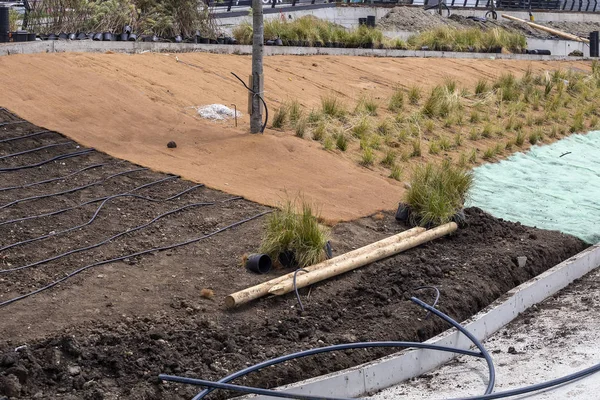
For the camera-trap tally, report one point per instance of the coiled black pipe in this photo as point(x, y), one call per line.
point(26, 136)
point(60, 157)
point(76, 189)
point(52, 179)
point(48, 146)
point(139, 253)
point(12, 221)
point(262, 129)
point(95, 215)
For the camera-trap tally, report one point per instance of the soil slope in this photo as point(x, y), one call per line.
point(131, 106)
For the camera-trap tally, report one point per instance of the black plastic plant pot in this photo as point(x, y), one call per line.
point(72, 36)
point(127, 29)
point(108, 37)
point(318, 44)
point(287, 259)
point(132, 37)
point(155, 38)
point(403, 212)
point(270, 42)
point(460, 218)
point(305, 43)
point(221, 40)
point(178, 39)
point(212, 41)
point(230, 40)
point(123, 37)
point(52, 36)
point(97, 37)
point(328, 250)
point(204, 40)
point(31, 37)
point(19, 37)
point(81, 36)
point(90, 35)
point(259, 263)
point(278, 42)
point(336, 44)
point(328, 44)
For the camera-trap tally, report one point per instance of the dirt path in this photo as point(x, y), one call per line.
point(131, 106)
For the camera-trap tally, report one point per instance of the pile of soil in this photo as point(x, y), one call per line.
point(413, 19)
point(114, 329)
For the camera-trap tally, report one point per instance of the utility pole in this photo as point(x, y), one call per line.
point(257, 65)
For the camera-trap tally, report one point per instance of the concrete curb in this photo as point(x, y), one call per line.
point(391, 370)
point(86, 46)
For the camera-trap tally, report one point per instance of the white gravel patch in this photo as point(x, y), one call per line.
point(217, 112)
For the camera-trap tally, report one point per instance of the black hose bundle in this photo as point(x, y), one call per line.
point(224, 385)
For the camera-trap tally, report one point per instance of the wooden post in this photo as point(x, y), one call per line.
point(255, 292)
point(546, 29)
point(256, 119)
point(309, 278)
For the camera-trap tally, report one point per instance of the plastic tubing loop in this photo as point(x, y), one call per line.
point(296, 287)
point(139, 253)
point(476, 342)
point(102, 242)
point(24, 136)
point(262, 129)
point(43, 196)
point(11, 221)
point(435, 301)
point(310, 352)
point(95, 215)
point(60, 157)
point(48, 146)
point(58, 178)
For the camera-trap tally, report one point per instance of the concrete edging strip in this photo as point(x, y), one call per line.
point(87, 46)
point(391, 370)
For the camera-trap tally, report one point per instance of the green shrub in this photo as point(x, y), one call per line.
point(389, 158)
point(320, 131)
point(362, 128)
point(434, 147)
point(328, 143)
point(341, 142)
point(520, 139)
point(437, 192)
point(295, 229)
point(332, 106)
point(396, 102)
point(295, 111)
point(416, 148)
point(301, 127)
point(280, 117)
point(367, 105)
point(396, 172)
point(368, 157)
point(414, 95)
point(482, 87)
point(441, 103)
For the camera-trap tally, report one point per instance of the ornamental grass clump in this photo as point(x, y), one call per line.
point(437, 192)
point(295, 228)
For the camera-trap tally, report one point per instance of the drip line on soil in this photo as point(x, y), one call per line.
point(26, 136)
point(96, 214)
point(12, 122)
point(48, 146)
point(139, 253)
point(59, 157)
point(52, 179)
point(44, 196)
point(48, 214)
point(115, 236)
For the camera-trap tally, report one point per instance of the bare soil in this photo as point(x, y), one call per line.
point(108, 332)
point(131, 106)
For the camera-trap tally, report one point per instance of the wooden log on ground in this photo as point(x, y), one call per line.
point(255, 292)
point(363, 259)
point(547, 29)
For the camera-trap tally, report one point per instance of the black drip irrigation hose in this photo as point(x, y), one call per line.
point(435, 301)
point(26, 136)
point(48, 146)
point(76, 189)
point(51, 179)
point(12, 122)
point(262, 129)
point(107, 240)
point(12, 221)
point(296, 287)
point(139, 253)
point(59, 157)
point(95, 215)
point(223, 383)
